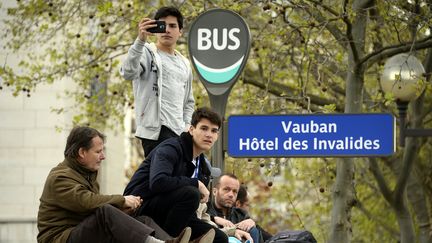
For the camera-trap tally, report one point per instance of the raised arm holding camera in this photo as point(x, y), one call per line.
point(162, 79)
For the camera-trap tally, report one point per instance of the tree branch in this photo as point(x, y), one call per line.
point(382, 184)
point(349, 33)
point(389, 51)
point(408, 161)
point(281, 90)
point(393, 232)
point(331, 27)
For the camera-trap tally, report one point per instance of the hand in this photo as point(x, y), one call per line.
point(246, 225)
point(241, 235)
point(143, 26)
point(131, 203)
point(223, 222)
point(204, 192)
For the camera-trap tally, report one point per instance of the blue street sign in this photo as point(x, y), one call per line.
point(322, 135)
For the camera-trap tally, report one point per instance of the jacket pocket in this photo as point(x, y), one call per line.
point(150, 115)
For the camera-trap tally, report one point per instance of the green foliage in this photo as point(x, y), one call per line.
point(299, 63)
point(82, 42)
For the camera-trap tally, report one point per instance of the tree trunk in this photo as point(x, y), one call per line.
point(343, 198)
point(415, 190)
point(417, 199)
point(405, 222)
point(403, 169)
point(343, 190)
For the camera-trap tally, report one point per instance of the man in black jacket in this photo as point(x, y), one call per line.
point(173, 178)
point(223, 212)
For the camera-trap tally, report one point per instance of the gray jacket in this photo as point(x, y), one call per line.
point(143, 66)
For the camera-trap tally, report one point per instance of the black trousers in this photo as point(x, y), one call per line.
point(109, 224)
point(148, 144)
point(175, 210)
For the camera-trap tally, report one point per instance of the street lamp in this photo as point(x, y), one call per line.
point(404, 78)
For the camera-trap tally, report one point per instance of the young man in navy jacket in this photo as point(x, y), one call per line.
point(173, 178)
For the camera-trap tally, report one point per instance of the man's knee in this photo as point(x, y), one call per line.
point(192, 194)
point(254, 230)
point(255, 234)
point(192, 191)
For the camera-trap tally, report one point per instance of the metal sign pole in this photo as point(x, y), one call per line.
point(219, 102)
point(219, 44)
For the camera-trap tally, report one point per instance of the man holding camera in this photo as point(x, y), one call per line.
point(162, 79)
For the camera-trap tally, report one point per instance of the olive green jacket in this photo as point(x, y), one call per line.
point(70, 194)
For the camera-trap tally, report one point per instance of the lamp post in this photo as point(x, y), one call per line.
point(403, 77)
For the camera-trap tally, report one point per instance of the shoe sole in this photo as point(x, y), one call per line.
point(208, 237)
point(186, 235)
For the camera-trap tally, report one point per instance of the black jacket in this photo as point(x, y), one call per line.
point(235, 215)
point(168, 167)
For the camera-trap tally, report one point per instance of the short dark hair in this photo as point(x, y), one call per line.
point(207, 113)
point(170, 11)
point(80, 137)
point(242, 194)
point(217, 181)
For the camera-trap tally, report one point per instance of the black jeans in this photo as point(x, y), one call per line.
point(109, 224)
point(175, 210)
point(148, 144)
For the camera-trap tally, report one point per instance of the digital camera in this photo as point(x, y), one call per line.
point(160, 28)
